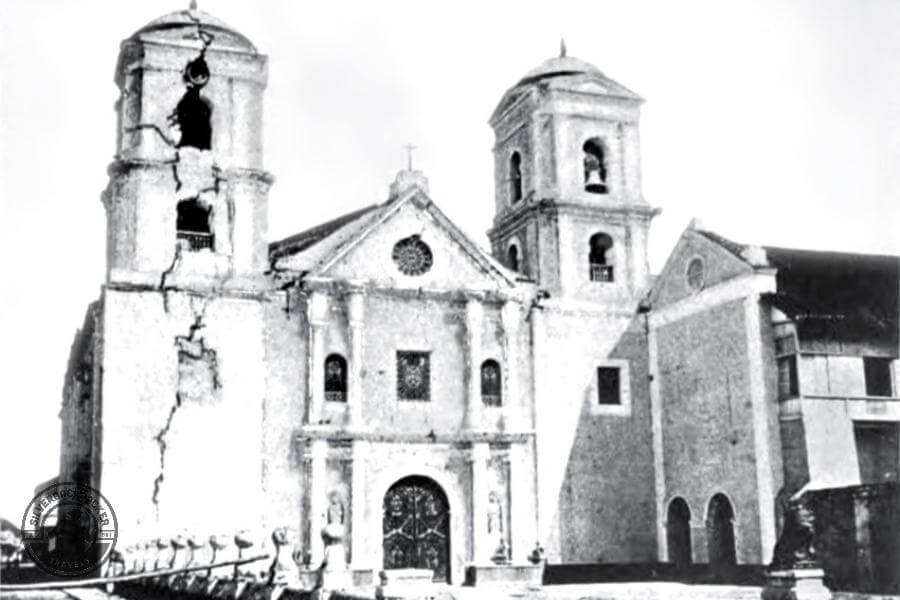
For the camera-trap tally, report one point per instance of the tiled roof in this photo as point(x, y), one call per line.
point(832, 295)
point(305, 239)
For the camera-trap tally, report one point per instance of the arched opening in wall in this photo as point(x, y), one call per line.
point(512, 257)
point(678, 533)
point(416, 527)
point(491, 394)
point(515, 177)
point(193, 115)
point(192, 225)
point(595, 167)
point(600, 246)
point(720, 536)
point(335, 378)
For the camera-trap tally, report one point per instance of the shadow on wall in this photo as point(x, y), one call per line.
point(606, 509)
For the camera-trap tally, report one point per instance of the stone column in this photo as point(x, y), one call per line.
point(317, 316)
point(318, 502)
point(512, 404)
point(355, 311)
point(521, 526)
point(474, 320)
point(865, 569)
point(480, 549)
point(358, 553)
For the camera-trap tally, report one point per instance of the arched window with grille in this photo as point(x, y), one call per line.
point(600, 248)
point(595, 167)
point(491, 380)
point(335, 378)
point(512, 257)
point(515, 177)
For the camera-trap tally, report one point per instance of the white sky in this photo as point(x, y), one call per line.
point(775, 122)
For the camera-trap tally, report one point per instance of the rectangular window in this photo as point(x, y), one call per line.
point(413, 376)
point(608, 385)
point(878, 376)
point(787, 377)
point(877, 451)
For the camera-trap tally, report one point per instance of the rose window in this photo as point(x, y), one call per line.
point(412, 256)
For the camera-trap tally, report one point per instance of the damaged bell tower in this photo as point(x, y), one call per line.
point(187, 194)
point(185, 293)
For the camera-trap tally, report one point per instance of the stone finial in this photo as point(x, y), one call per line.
point(193, 5)
point(562, 47)
point(408, 179)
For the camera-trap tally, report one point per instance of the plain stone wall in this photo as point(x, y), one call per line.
point(707, 421)
point(213, 443)
point(592, 467)
point(606, 504)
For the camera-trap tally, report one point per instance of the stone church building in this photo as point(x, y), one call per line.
point(440, 404)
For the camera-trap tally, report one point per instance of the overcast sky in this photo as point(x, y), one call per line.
point(775, 122)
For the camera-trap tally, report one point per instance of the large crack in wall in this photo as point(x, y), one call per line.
point(198, 382)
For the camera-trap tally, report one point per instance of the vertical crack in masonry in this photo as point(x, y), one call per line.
point(191, 347)
point(161, 442)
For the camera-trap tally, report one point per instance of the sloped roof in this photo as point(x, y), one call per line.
point(837, 295)
point(305, 239)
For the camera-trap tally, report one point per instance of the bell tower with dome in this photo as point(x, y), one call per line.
point(174, 374)
point(570, 213)
point(187, 196)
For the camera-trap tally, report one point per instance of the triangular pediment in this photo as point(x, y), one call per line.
point(719, 262)
point(407, 243)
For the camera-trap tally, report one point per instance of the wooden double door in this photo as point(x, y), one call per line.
point(416, 527)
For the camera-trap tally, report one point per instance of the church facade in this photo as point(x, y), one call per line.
point(381, 376)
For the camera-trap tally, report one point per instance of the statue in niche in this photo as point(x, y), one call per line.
point(495, 529)
point(333, 534)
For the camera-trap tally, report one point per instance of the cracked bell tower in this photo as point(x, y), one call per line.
point(186, 202)
point(179, 348)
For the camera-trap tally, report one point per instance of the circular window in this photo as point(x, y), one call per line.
point(696, 274)
point(412, 256)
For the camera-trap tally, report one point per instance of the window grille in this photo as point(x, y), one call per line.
point(413, 376)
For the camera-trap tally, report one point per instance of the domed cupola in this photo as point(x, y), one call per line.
point(182, 26)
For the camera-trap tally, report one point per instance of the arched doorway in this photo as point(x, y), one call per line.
point(678, 533)
point(416, 527)
point(720, 535)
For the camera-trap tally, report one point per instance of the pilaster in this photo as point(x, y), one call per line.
point(521, 527)
point(474, 323)
point(480, 489)
point(318, 504)
point(355, 314)
point(317, 317)
point(358, 552)
point(512, 404)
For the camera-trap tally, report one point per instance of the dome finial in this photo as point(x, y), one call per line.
point(562, 47)
point(193, 5)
